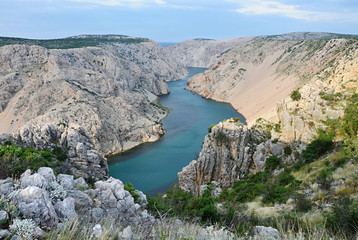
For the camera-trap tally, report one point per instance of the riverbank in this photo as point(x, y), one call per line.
point(154, 166)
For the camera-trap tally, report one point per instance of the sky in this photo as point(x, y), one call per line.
point(175, 20)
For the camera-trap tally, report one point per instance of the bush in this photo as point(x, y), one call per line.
point(287, 150)
point(129, 187)
point(343, 218)
point(272, 162)
point(211, 127)
point(350, 119)
point(295, 95)
point(203, 207)
point(318, 147)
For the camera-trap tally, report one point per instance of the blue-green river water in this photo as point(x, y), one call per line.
point(153, 167)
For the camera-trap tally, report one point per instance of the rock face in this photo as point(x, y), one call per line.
point(203, 52)
point(230, 151)
point(207, 52)
point(105, 91)
point(254, 76)
point(300, 120)
point(58, 200)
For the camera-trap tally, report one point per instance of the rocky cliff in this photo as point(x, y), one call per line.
point(206, 52)
point(229, 152)
point(105, 90)
point(254, 76)
point(203, 52)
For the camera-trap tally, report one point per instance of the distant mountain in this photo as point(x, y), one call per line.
point(73, 42)
point(202, 52)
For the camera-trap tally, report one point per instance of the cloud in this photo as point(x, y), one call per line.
point(264, 7)
point(122, 3)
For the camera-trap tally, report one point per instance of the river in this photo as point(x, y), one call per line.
point(153, 167)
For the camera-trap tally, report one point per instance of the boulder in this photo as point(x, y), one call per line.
point(34, 202)
point(4, 217)
point(66, 209)
point(4, 234)
point(262, 232)
point(97, 214)
point(126, 233)
point(81, 184)
point(36, 179)
point(82, 201)
point(97, 231)
point(66, 181)
point(47, 173)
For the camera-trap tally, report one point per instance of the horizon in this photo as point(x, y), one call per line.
point(174, 20)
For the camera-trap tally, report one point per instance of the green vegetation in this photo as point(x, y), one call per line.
point(129, 187)
point(295, 95)
point(211, 127)
point(318, 147)
point(14, 160)
point(273, 162)
point(73, 42)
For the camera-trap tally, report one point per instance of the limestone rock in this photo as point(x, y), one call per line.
point(97, 231)
point(107, 90)
point(126, 233)
point(262, 232)
point(227, 154)
point(47, 173)
point(82, 201)
point(34, 202)
point(66, 181)
point(81, 183)
point(97, 214)
point(28, 179)
point(4, 217)
point(4, 234)
point(66, 209)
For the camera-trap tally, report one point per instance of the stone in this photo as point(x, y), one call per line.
point(97, 231)
point(4, 234)
point(34, 202)
point(4, 217)
point(81, 184)
point(126, 233)
point(97, 214)
point(66, 181)
point(262, 232)
point(39, 233)
point(142, 198)
point(66, 209)
point(35, 179)
point(82, 201)
point(47, 173)
point(6, 188)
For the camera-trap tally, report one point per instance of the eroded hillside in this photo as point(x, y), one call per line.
point(108, 90)
point(253, 77)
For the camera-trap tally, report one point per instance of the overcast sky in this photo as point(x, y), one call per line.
point(175, 20)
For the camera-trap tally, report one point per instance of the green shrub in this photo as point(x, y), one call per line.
point(272, 162)
point(211, 127)
point(295, 95)
point(318, 147)
point(203, 207)
point(221, 137)
point(129, 187)
point(173, 202)
point(287, 150)
point(350, 119)
point(343, 219)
